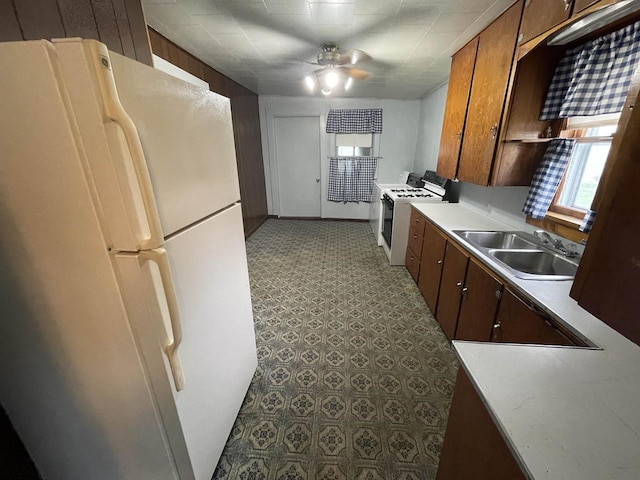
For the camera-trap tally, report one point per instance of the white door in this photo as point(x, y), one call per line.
point(297, 142)
point(187, 137)
point(217, 352)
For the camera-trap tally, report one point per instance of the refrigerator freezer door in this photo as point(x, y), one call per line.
point(187, 137)
point(218, 353)
point(71, 377)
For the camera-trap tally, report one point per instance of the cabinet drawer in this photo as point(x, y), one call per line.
point(415, 242)
point(417, 222)
point(412, 262)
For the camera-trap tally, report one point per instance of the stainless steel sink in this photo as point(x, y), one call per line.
point(537, 263)
point(500, 240)
point(521, 254)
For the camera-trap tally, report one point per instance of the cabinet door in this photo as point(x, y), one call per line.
point(541, 15)
point(431, 265)
point(412, 262)
point(579, 5)
point(455, 111)
point(414, 242)
point(473, 446)
point(517, 322)
point(496, 48)
point(480, 299)
point(453, 275)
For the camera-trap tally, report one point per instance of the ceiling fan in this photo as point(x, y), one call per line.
point(337, 67)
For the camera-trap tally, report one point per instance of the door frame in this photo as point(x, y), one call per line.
point(273, 157)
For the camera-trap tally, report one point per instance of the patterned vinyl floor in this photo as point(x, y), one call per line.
point(355, 376)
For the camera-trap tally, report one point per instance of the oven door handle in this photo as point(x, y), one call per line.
point(388, 202)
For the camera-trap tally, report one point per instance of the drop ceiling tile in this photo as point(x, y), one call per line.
point(432, 45)
point(196, 36)
point(340, 34)
point(377, 7)
point(368, 24)
point(238, 44)
point(417, 14)
point(466, 6)
point(169, 14)
point(288, 7)
point(217, 24)
point(201, 7)
point(453, 22)
point(152, 2)
point(332, 13)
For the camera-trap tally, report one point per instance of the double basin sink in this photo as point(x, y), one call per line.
point(521, 254)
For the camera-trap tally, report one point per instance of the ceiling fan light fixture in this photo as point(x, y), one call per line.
point(311, 84)
point(331, 79)
point(326, 91)
point(348, 83)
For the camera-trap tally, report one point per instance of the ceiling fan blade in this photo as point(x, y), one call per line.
point(351, 57)
point(355, 73)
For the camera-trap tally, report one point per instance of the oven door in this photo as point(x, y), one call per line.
point(387, 222)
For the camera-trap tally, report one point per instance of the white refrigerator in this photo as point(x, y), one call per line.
point(126, 329)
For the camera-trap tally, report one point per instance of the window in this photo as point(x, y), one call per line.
point(354, 144)
point(578, 187)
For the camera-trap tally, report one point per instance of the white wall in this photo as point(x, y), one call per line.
point(396, 144)
point(429, 129)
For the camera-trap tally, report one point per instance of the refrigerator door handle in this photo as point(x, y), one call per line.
point(115, 111)
point(159, 257)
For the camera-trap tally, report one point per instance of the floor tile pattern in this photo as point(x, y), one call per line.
point(355, 376)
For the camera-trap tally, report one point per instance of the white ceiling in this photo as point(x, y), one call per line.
point(263, 44)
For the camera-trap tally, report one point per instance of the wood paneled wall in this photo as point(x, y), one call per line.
point(246, 127)
point(119, 24)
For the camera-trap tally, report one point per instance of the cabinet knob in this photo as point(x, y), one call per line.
point(415, 237)
point(411, 258)
point(464, 292)
point(494, 130)
point(567, 4)
point(417, 220)
point(459, 135)
point(439, 262)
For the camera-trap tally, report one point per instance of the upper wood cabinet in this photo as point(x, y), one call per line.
point(496, 47)
point(455, 111)
point(579, 5)
point(541, 15)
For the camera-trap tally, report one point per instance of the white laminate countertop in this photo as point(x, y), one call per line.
point(566, 412)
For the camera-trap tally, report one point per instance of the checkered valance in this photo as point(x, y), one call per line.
point(594, 78)
point(351, 178)
point(547, 177)
point(355, 120)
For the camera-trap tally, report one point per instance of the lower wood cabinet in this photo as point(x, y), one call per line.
point(473, 447)
point(521, 322)
point(468, 300)
point(431, 264)
point(451, 284)
point(481, 296)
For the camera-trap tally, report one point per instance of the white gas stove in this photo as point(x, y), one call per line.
point(390, 223)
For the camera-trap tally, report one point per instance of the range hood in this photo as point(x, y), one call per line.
point(594, 21)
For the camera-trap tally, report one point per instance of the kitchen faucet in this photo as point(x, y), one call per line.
point(569, 251)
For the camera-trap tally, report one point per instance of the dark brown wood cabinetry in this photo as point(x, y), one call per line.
point(469, 301)
point(541, 15)
point(481, 296)
point(607, 283)
point(462, 66)
point(451, 284)
point(473, 446)
point(496, 48)
point(431, 264)
point(579, 5)
point(119, 24)
point(521, 322)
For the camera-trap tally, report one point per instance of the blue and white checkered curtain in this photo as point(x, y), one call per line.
point(351, 178)
point(594, 78)
point(355, 120)
point(548, 176)
point(587, 221)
